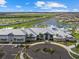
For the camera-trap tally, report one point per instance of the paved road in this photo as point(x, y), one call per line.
point(10, 51)
point(60, 53)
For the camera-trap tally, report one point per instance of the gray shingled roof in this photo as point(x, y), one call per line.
point(34, 31)
point(41, 30)
point(13, 31)
point(29, 31)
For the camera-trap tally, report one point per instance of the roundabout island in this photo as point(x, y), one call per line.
point(48, 51)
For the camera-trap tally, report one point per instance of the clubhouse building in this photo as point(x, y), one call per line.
point(30, 34)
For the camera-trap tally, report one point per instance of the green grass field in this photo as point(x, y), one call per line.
point(17, 20)
point(76, 49)
point(75, 56)
point(76, 35)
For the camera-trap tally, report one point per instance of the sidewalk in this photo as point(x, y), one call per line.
point(21, 55)
point(72, 46)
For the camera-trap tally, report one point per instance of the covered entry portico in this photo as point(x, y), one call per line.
point(48, 36)
point(45, 36)
point(11, 37)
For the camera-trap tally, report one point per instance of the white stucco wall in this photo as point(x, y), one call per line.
point(20, 38)
point(3, 37)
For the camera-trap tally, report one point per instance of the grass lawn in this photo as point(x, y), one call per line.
point(18, 56)
point(26, 56)
point(75, 56)
point(26, 24)
point(48, 50)
point(26, 20)
point(67, 43)
point(70, 43)
point(76, 49)
point(1, 53)
point(76, 35)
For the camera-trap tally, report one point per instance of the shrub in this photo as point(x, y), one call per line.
point(37, 50)
point(27, 46)
point(77, 46)
point(49, 50)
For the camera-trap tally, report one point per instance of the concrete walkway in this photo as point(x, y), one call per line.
point(70, 49)
point(21, 55)
point(72, 46)
point(9, 44)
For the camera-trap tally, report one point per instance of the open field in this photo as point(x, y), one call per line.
point(22, 19)
point(31, 19)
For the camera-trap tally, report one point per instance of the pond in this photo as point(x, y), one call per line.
point(55, 22)
point(48, 22)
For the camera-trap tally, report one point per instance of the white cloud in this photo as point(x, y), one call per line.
point(18, 6)
point(40, 3)
point(60, 10)
point(54, 4)
point(49, 5)
point(75, 10)
point(2, 2)
point(3, 6)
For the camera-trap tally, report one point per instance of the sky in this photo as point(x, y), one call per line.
point(39, 5)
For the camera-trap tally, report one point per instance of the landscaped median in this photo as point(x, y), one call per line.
point(74, 56)
point(1, 53)
point(17, 56)
point(26, 56)
point(75, 52)
point(67, 43)
point(76, 49)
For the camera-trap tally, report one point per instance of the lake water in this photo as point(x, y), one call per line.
point(48, 22)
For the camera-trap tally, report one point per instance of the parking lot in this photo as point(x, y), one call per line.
point(10, 51)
